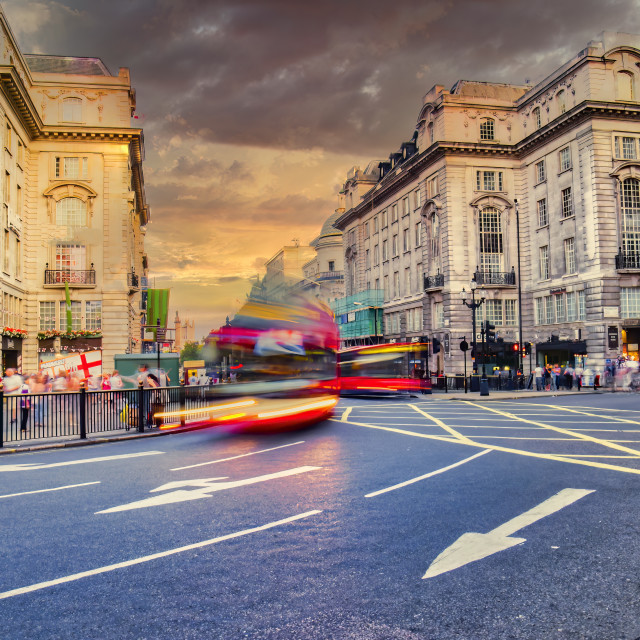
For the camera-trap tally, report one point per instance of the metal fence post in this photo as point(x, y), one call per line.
point(83, 412)
point(141, 408)
point(183, 402)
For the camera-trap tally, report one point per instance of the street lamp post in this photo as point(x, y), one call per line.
point(520, 345)
point(473, 305)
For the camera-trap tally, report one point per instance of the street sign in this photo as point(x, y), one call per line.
point(447, 344)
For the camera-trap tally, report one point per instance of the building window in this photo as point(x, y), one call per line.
point(396, 284)
point(76, 316)
point(540, 311)
point(582, 305)
point(438, 314)
point(405, 206)
point(490, 231)
point(569, 255)
point(366, 229)
point(407, 281)
point(367, 260)
point(385, 250)
point(559, 308)
point(537, 118)
point(541, 174)
point(406, 242)
point(510, 313)
point(73, 167)
point(488, 180)
point(386, 287)
point(492, 311)
point(630, 302)
point(418, 235)
point(383, 215)
point(375, 224)
point(332, 265)
point(624, 86)
point(47, 316)
point(417, 199)
point(543, 217)
point(565, 159)
point(486, 129)
point(572, 311)
point(562, 107)
point(93, 315)
point(72, 110)
point(394, 213)
point(626, 147)
point(71, 257)
point(548, 309)
point(432, 187)
point(18, 257)
point(567, 203)
point(71, 212)
point(544, 262)
point(394, 245)
point(630, 205)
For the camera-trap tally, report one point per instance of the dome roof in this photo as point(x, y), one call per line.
point(328, 229)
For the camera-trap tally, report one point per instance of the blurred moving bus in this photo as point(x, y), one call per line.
point(384, 369)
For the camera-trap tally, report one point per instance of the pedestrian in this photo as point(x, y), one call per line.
point(547, 378)
point(25, 405)
point(193, 379)
point(577, 376)
point(539, 372)
point(557, 372)
point(12, 383)
point(568, 376)
point(38, 387)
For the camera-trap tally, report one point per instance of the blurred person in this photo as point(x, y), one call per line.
point(39, 402)
point(60, 382)
point(539, 373)
point(12, 383)
point(568, 376)
point(577, 376)
point(25, 405)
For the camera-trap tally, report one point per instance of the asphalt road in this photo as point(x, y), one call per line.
point(359, 528)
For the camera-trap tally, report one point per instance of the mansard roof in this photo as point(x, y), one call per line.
point(67, 65)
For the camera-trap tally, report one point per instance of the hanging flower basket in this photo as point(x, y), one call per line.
point(69, 335)
point(14, 333)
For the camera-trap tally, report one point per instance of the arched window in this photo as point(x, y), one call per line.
point(624, 85)
point(71, 212)
point(486, 129)
point(434, 240)
point(630, 204)
point(72, 110)
point(562, 107)
point(537, 118)
point(490, 237)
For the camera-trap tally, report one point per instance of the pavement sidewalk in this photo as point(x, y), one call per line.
point(41, 444)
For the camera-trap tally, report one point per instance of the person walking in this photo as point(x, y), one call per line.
point(568, 377)
point(557, 371)
point(577, 376)
point(539, 372)
point(25, 405)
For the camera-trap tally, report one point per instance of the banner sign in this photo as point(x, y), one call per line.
point(88, 364)
point(157, 308)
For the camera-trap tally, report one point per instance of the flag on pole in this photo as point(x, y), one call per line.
point(157, 308)
point(68, 307)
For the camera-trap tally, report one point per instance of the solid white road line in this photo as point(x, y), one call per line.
point(69, 486)
point(36, 466)
point(426, 475)
point(242, 455)
point(154, 556)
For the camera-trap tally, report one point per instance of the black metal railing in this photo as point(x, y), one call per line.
point(627, 260)
point(432, 282)
point(72, 276)
point(41, 416)
point(133, 281)
point(504, 278)
point(329, 275)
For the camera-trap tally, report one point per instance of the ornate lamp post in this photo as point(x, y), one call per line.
point(473, 305)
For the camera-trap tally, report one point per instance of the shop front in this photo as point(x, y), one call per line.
point(630, 339)
point(11, 354)
point(562, 352)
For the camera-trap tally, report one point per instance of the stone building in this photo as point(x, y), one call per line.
point(73, 206)
point(558, 162)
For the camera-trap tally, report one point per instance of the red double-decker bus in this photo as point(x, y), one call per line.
point(384, 369)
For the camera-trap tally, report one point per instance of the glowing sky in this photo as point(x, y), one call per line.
point(253, 111)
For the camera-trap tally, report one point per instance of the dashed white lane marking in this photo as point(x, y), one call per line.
point(346, 413)
point(242, 455)
point(427, 475)
point(154, 556)
point(68, 486)
point(34, 466)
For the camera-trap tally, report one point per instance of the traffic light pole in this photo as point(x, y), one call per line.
point(484, 382)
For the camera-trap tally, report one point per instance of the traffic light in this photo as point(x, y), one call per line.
point(516, 346)
point(436, 345)
point(527, 348)
point(464, 345)
point(490, 331)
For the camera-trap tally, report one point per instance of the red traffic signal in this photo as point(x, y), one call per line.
point(516, 347)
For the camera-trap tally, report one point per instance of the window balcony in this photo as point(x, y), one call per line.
point(77, 278)
point(328, 275)
point(627, 260)
point(133, 281)
point(434, 282)
point(496, 278)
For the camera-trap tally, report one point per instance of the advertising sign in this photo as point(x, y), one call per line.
point(88, 364)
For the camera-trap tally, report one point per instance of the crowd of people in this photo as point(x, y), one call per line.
point(555, 377)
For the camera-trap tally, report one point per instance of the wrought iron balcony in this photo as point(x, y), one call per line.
point(133, 281)
point(627, 260)
point(499, 278)
point(75, 277)
point(434, 282)
point(329, 275)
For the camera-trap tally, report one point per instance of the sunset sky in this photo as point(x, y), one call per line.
point(253, 111)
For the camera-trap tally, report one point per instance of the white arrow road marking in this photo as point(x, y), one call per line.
point(34, 466)
point(427, 475)
point(206, 486)
point(154, 556)
point(470, 547)
point(242, 455)
point(69, 486)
